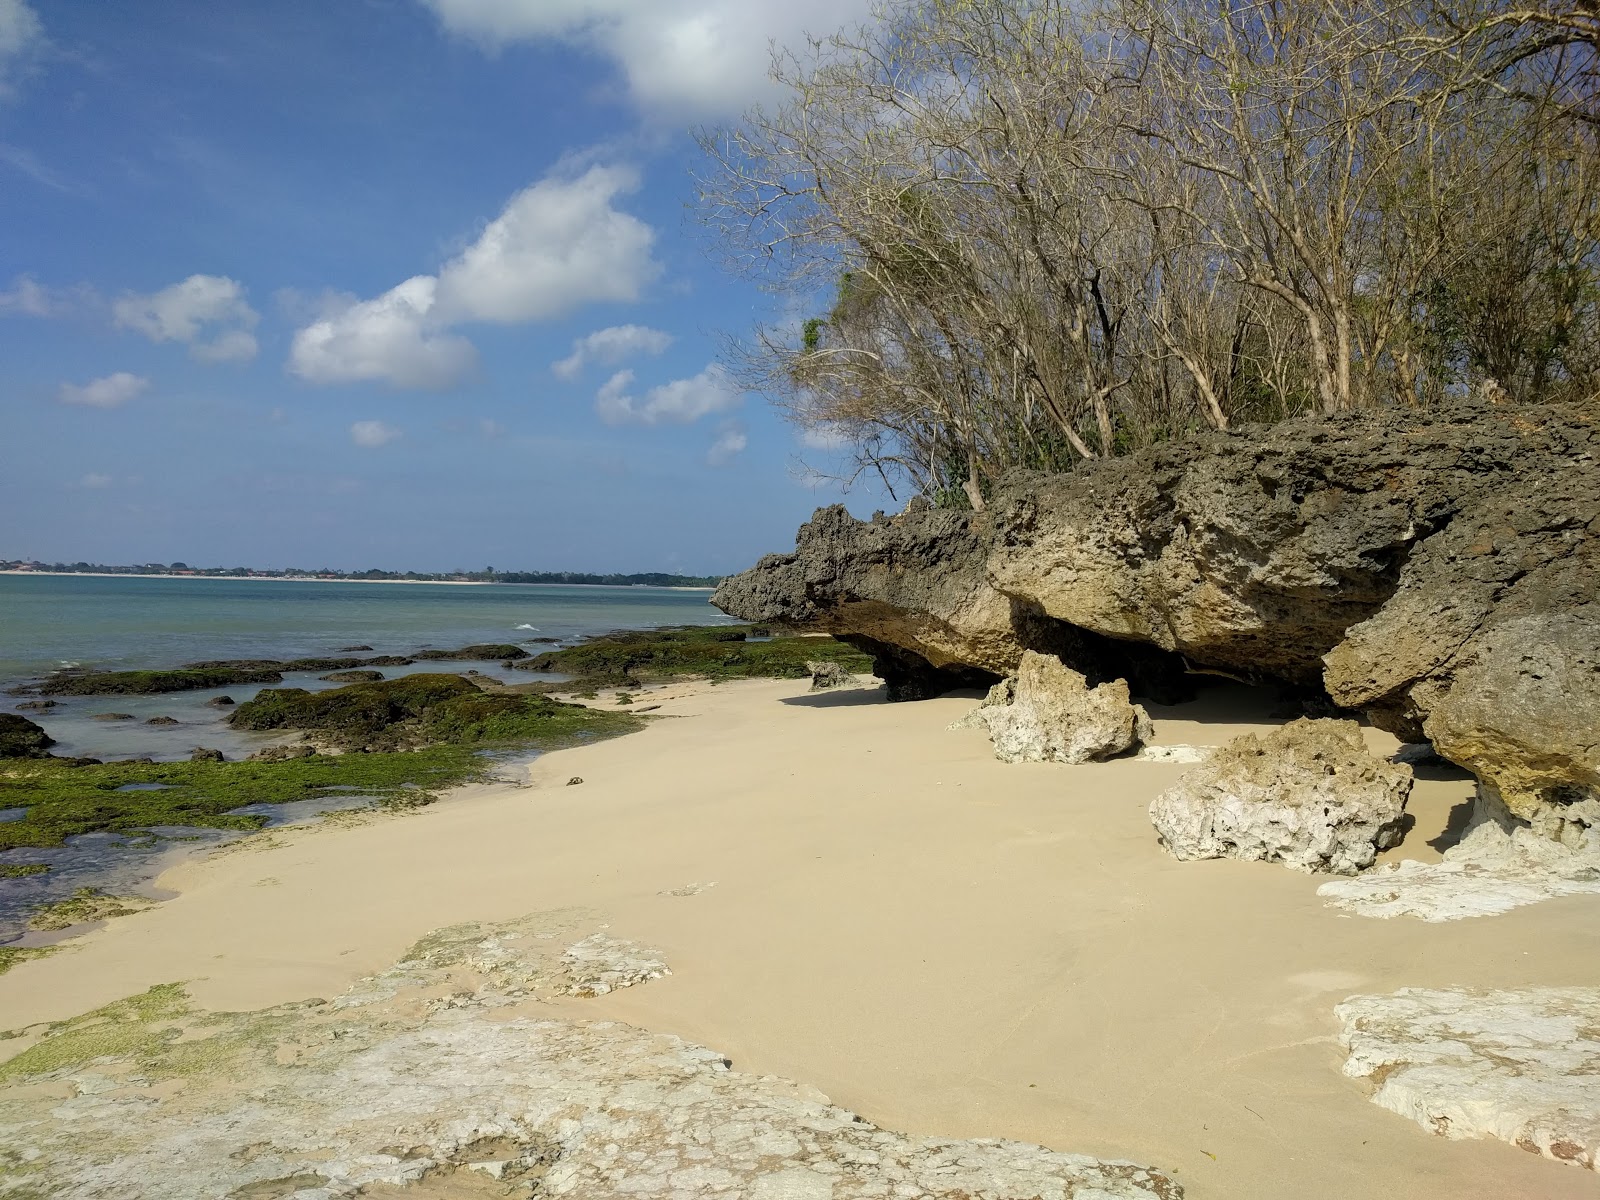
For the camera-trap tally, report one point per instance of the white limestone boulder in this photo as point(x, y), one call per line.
point(1049, 713)
point(1308, 795)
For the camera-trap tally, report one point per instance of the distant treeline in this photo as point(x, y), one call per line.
point(487, 575)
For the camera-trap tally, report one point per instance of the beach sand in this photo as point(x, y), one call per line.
point(944, 943)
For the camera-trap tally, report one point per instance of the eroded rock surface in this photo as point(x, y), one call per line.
point(449, 1064)
point(1049, 713)
point(825, 675)
point(1522, 1066)
point(1499, 864)
point(1308, 795)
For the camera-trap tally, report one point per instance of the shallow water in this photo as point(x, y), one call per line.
point(47, 622)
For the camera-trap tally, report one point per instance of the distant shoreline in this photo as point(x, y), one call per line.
point(318, 579)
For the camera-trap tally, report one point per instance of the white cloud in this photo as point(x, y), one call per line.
point(680, 58)
point(680, 402)
point(730, 443)
point(208, 313)
point(27, 297)
point(95, 481)
point(610, 346)
point(392, 338)
point(823, 437)
point(112, 391)
point(373, 433)
point(20, 34)
point(558, 244)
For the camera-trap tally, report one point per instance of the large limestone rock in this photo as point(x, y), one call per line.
point(448, 1070)
point(1491, 648)
point(1522, 1066)
point(1418, 566)
point(1049, 713)
point(1308, 795)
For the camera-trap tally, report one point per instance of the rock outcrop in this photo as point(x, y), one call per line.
point(825, 675)
point(1522, 1066)
point(1308, 795)
point(447, 1068)
point(22, 738)
point(1437, 570)
point(1048, 712)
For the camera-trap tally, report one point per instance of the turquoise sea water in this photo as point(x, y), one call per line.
point(47, 621)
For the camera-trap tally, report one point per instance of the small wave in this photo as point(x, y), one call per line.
point(535, 628)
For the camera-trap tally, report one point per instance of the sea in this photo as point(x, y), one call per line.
point(49, 622)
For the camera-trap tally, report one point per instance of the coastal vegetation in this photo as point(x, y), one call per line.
point(131, 683)
point(1036, 232)
point(628, 658)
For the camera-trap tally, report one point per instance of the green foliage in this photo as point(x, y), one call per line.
point(626, 659)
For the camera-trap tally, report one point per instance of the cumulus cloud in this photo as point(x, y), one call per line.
point(730, 443)
point(21, 33)
point(558, 244)
point(111, 391)
point(372, 434)
point(208, 313)
point(611, 346)
point(678, 403)
point(680, 58)
point(392, 338)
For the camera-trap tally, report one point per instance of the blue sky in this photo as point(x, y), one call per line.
point(393, 283)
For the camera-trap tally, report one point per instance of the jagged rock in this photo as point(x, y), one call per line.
point(1522, 1066)
point(202, 754)
point(1499, 864)
point(825, 675)
point(1308, 795)
point(112, 716)
point(1055, 716)
point(161, 721)
point(1491, 649)
point(21, 738)
point(220, 702)
point(912, 591)
point(37, 705)
point(447, 1063)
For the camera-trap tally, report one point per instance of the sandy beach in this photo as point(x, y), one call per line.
point(941, 942)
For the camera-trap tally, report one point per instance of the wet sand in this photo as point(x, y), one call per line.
point(942, 942)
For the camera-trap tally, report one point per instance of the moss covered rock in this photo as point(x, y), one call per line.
point(21, 738)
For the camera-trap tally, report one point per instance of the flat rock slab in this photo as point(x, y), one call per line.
point(1491, 871)
point(1522, 1066)
point(449, 1064)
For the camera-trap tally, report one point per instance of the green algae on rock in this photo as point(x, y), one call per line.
point(421, 710)
point(715, 652)
point(130, 683)
point(85, 905)
point(21, 738)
